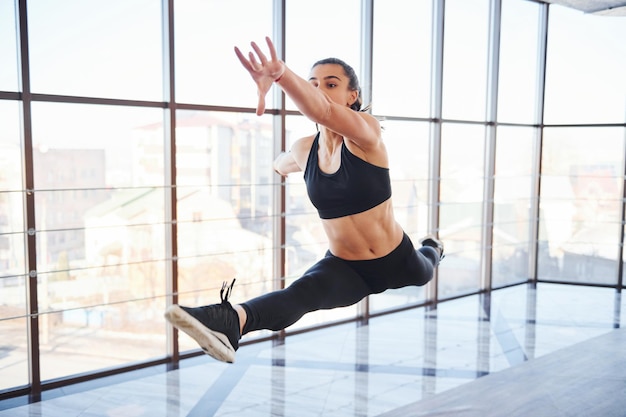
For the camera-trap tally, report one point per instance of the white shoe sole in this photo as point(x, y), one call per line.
point(214, 344)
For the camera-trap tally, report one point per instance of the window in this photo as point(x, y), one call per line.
point(401, 81)
point(107, 165)
point(581, 189)
point(462, 180)
point(465, 59)
point(303, 49)
point(102, 268)
point(515, 148)
point(206, 31)
point(8, 47)
point(74, 51)
point(13, 270)
point(586, 64)
point(519, 62)
point(409, 159)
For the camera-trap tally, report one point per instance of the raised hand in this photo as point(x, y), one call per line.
point(263, 72)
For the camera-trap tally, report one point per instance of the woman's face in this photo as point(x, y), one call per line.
point(333, 81)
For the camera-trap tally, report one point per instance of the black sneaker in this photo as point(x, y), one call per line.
point(215, 327)
point(433, 242)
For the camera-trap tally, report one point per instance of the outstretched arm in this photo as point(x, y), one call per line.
point(361, 128)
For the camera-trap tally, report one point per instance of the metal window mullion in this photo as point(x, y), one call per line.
point(620, 255)
point(34, 366)
point(367, 59)
point(169, 132)
point(367, 50)
point(280, 145)
point(493, 65)
point(533, 241)
point(436, 92)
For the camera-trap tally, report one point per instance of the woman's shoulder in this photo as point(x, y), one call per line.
point(304, 144)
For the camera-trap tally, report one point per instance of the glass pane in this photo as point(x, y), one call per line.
point(225, 197)
point(8, 47)
point(465, 59)
point(12, 254)
point(13, 343)
point(303, 50)
point(13, 346)
point(581, 202)
point(519, 38)
point(460, 212)
point(99, 175)
point(408, 147)
point(586, 64)
point(100, 336)
point(409, 72)
point(206, 31)
point(74, 50)
point(126, 143)
point(513, 186)
point(306, 239)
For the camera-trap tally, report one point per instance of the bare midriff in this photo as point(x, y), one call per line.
point(368, 235)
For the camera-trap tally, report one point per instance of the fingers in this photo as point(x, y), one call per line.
point(259, 53)
point(253, 62)
point(250, 63)
point(243, 59)
point(272, 48)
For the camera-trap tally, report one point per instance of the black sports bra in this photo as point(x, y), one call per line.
point(357, 185)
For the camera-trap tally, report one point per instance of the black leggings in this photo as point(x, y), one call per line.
point(335, 282)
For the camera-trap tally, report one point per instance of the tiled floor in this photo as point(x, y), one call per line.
point(396, 361)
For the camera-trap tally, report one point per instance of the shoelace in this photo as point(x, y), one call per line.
point(226, 290)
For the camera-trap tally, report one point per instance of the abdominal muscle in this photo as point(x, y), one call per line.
point(368, 235)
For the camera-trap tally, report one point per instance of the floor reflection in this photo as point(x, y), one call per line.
point(359, 370)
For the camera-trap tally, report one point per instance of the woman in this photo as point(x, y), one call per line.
point(346, 172)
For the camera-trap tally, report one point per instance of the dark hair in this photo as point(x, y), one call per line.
point(354, 80)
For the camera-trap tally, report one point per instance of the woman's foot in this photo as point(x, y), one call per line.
point(434, 243)
point(214, 327)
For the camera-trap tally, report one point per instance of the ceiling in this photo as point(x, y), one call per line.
point(598, 7)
